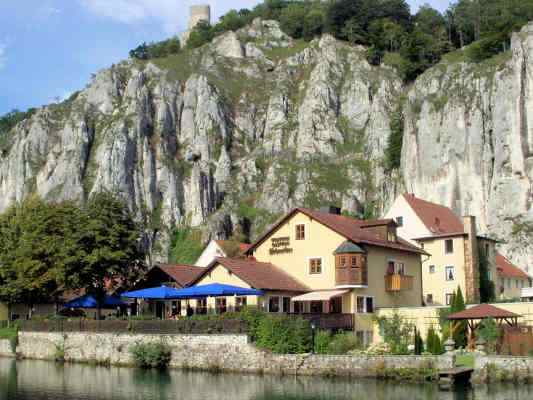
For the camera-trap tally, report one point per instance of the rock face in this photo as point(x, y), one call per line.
point(241, 130)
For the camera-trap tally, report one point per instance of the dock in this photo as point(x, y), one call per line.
point(449, 377)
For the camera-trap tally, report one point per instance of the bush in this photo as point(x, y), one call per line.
point(397, 332)
point(490, 332)
point(156, 50)
point(322, 341)
point(343, 343)
point(151, 355)
point(284, 335)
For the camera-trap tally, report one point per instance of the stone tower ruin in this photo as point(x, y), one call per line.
point(201, 12)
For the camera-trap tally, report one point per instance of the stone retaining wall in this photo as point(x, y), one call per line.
point(503, 368)
point(214, 352)
point(5, 348)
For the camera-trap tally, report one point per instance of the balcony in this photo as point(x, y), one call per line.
point(350, 276)
point(398, 283)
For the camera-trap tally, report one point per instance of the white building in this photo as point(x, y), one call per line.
point(220, 248)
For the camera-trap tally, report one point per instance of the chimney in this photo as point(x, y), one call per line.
point(471, 260)
point(331, 210)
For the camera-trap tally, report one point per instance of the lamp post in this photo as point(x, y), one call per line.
point(313, 327)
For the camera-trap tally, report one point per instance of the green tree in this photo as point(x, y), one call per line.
point(433, 342)
point(37, 242)
point(314, 23)
point(200, 35)
point(458, 304)
point(292, 19)
point(490, 332)
point(397, 332)
point(419, 343)
point(110, 252)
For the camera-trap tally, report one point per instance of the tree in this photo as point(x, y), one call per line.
point(397, 332)
point(200, 35)
point(433, 342)
point(314, 23)
point(37, 242)
point(419, 343)
point(110, 252)
point(489, 331)
point(459, 333)
point(292, 19)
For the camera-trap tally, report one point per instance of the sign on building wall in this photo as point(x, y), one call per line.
point(280, 245)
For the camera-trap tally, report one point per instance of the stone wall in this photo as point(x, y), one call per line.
point(214, 352)
point(5, 348)
point(503, 368)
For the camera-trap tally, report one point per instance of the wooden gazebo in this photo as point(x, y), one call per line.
point(473, 317)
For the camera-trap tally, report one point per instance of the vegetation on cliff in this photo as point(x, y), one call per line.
point(410, 42)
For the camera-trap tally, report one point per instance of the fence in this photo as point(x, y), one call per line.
point(137, 326)
point(518, 341)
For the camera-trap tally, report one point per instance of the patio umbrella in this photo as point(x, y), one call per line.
point(215, 290)
point(157, 293)
point(89, 301)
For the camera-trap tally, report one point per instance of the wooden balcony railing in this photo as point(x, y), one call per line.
point(398, 283)
point(351, 276)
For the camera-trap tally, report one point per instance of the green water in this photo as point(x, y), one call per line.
point(40, 380)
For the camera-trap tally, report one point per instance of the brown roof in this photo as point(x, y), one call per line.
point(183, 274)
point(482, 311)
point(351, 228)
point(258, 275)
point(224, 244)
point(437, 218)
point(507, 269)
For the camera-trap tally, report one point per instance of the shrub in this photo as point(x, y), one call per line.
point(284, 335)
point(151, 355)
point(433, 342)
point(490, 332)
point(322, 341)
point(397, 332)
point(343, 343)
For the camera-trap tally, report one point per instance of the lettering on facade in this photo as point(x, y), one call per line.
point(280, 245)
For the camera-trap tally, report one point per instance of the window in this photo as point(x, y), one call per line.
point(421, 245)
point(429, 298)
point(508, 283)
point(399, 268)
point(220, 305)
point(342, 261)
point(449, 299)
point(287, 305)
point(365, 304)
point(431, 269)
point(201, 306)
point(489, 275)
point(517, 284)
point(316, 307)
point(354, 261)
point(399, 221)
point(300, 232)
point(315, 266)
point(365, 338)
point(240, 302)
point(450, 273)
point(298, 307)
point(448, 246)
point(487, 249)
point(273, 304)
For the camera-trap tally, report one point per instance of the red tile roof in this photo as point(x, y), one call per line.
point(264, 276)
point(243, 247)
point(183, 274)
point(437, 218)
point(482, 311)
point(353, 229)
point(507, 269)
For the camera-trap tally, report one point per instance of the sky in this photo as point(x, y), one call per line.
point(50, 48)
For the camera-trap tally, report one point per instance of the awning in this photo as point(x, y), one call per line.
point(215, 290)
point(89, 301)
point(320, 295)
point(158, 293)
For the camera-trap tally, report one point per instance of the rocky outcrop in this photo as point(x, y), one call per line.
point(240, 130)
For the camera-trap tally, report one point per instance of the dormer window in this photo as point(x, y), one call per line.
point(300, 232)
point(399, 221)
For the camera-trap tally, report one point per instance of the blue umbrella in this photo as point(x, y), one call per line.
point(157, 293)
point(215, 290)
point(88, 301)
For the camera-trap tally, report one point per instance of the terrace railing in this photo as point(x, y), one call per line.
point(186, 326)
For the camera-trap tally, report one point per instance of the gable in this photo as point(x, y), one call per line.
point(220, 274)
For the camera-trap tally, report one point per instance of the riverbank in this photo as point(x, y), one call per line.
point(235, 353)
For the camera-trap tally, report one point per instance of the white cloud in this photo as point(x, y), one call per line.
point(3, 56)
point(173, 14)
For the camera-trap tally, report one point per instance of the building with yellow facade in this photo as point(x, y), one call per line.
point(323, 263)
point(457, 252)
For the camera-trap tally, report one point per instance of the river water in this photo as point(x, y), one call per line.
point(41, 380)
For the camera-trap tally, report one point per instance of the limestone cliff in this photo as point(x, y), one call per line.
point(239, 131)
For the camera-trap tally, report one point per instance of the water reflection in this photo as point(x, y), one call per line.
point(40, 380)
